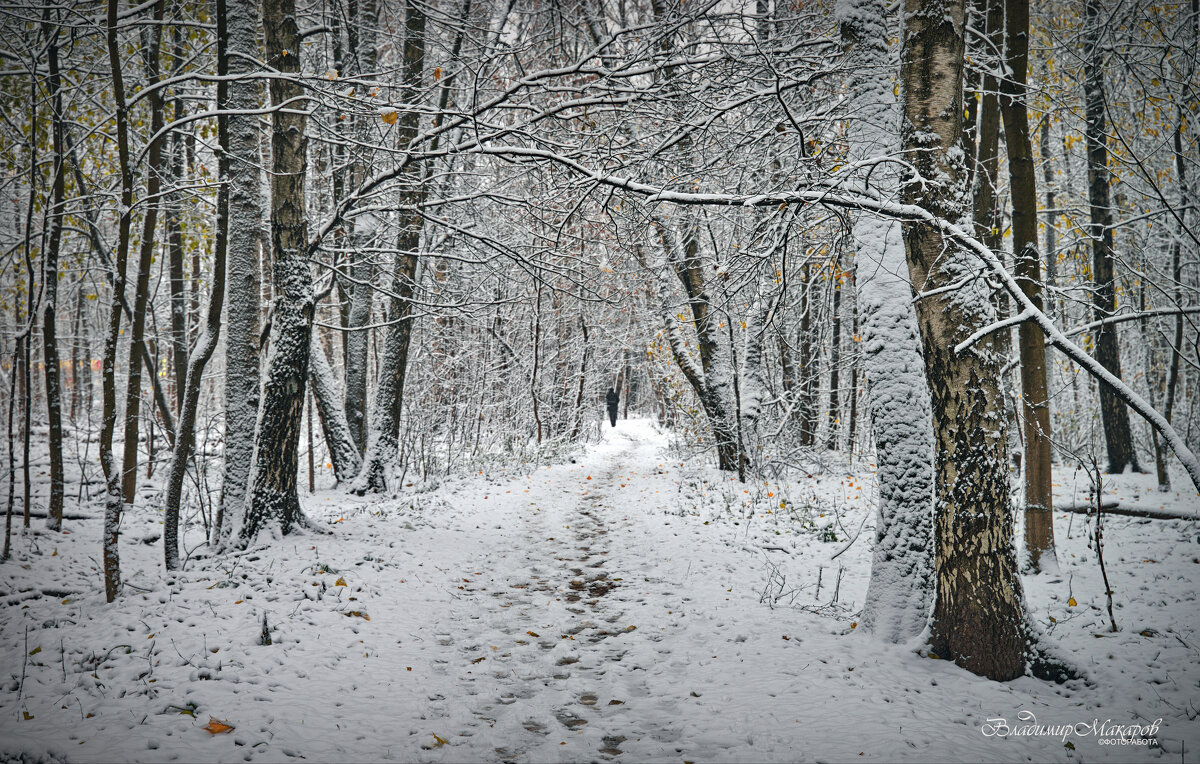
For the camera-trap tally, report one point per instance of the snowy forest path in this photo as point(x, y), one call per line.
point(561, 658)
point(622, 607)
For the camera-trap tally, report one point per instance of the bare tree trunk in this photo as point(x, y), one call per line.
point(900, 592)
point(1118, 436)
point(389, 395)
point(712, 379)
point(1039, 504)
point(577, 427)
point(274, 499)
point(362, 50)
point(179, 328)
point(242, 282)
point(808, 364)
point(188, 382)
point(978, 618)
point(533, 373)
point(1053, 304)
point(112, 477)
point(343, 452)
point(835, 361)
point(10, 496)
point(1181, 178)
point(141, 294)
point(50, 284)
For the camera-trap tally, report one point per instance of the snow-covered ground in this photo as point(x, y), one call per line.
point(623, 606)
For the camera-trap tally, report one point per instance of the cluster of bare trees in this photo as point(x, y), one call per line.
point(446, 226)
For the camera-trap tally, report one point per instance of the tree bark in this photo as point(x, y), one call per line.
point(54, 510)
point(179, 328)
point(389, 395)
point(835, 361)
point(112, 477)
point(141, 294)
point(190, 376)
point(242, 281)
point(343, 452)
point(978, 619)
point(1118, 436)
point(1039, 504)
point(273, 500)
point(900, 591)
point(715, 389)
point(362, 50)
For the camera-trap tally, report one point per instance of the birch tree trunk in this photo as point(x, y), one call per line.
point(242, 263)
point(900, 592)
point(273, 501)
point(978, 615)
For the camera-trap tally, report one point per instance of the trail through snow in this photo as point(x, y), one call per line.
point(604, 609)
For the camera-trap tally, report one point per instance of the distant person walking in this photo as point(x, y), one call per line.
point(613, 399)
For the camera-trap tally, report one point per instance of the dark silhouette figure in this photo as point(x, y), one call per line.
point(613, 399)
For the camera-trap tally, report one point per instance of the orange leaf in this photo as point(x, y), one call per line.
point(357, 614)
point(340, 582)
point(437, 74)
point(218, 728)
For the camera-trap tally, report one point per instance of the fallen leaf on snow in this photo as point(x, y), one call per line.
point(218, 728)
point(357, 614)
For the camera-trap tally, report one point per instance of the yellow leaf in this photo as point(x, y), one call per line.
point(357, 614)
point(1071, 602)
point(27, 715)
point(389, 117)
point(441, 741)
point(218, 728)
point(340, 582)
